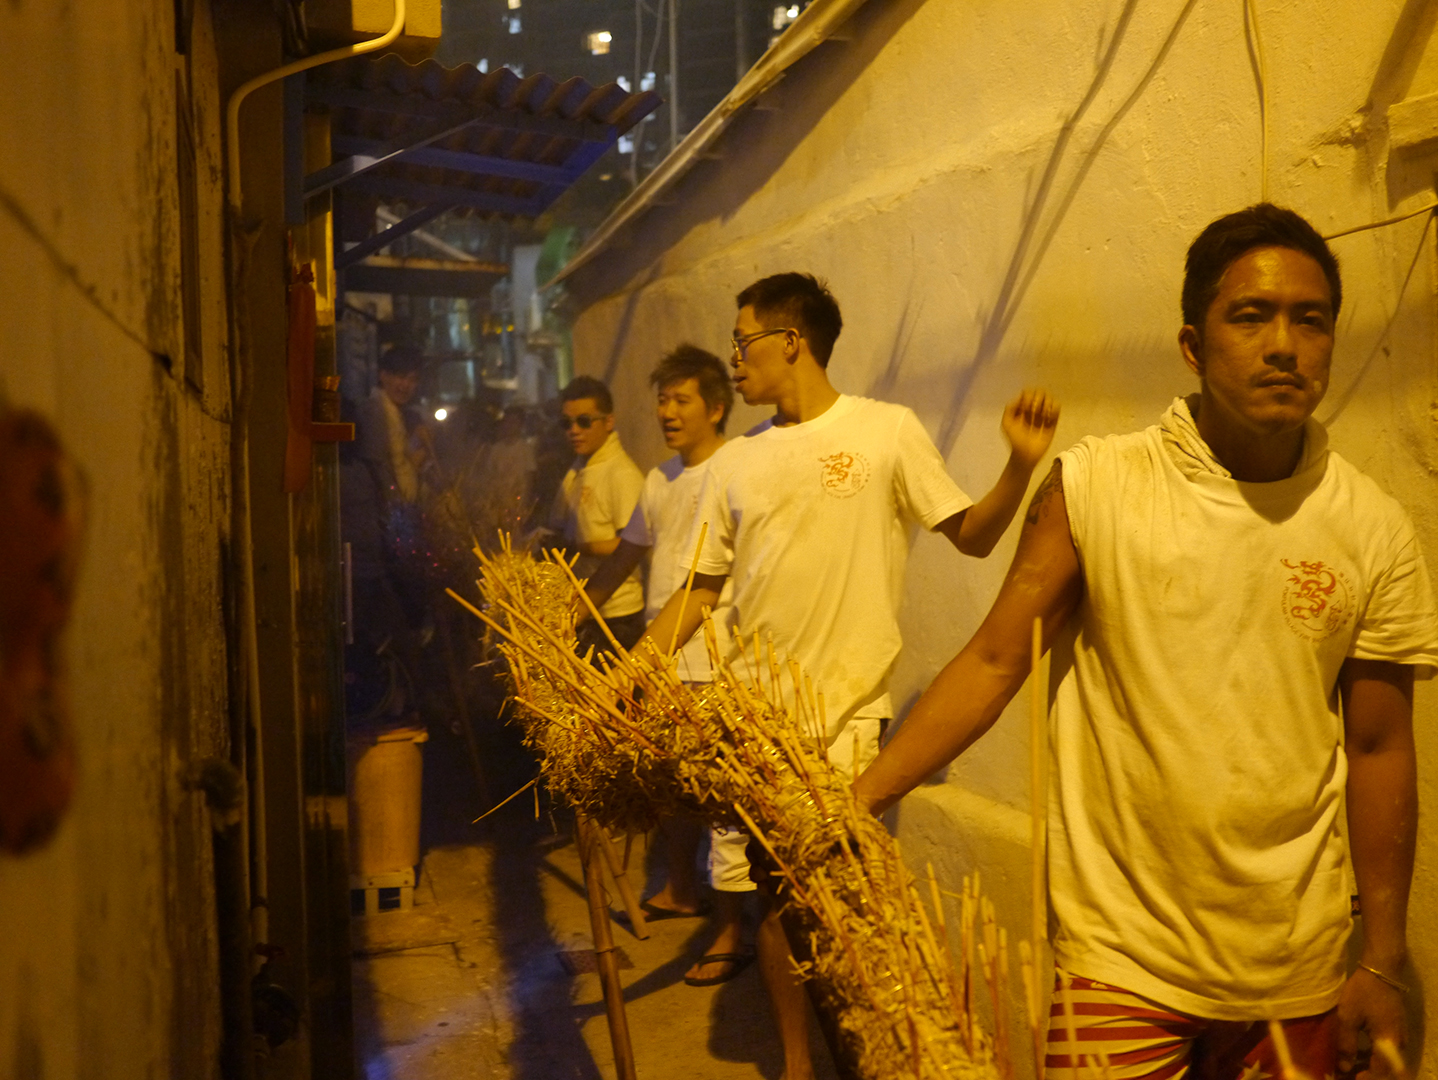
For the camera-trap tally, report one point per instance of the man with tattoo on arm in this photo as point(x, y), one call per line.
point(1250, 611)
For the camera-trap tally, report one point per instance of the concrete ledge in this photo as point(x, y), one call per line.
point(961, 833)
point(1413, 121)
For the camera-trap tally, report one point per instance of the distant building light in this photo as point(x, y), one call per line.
point(514, 24)
point(623, 83)
point(784, 15)
point(483, 65)
point(626, 144)
point(514, 4)
point(440, 414)
point(647, 83)
point(598, 42)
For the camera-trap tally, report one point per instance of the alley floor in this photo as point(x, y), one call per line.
point(470, 982)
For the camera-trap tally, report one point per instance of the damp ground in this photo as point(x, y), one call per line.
point(486, 975)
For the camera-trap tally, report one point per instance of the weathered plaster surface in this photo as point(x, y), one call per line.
point(1000, 193)
point(107, 960)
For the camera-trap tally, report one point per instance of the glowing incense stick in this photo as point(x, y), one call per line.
point(688, 584)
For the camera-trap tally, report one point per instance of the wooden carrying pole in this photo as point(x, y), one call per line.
point(621, 881)
point(604, 952)
point(1038, 807)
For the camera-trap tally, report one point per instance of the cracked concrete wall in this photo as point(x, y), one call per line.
point(108, 957)
point(1001, 193)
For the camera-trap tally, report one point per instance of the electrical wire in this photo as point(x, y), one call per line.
point(1385, 221)
point(1261, 74)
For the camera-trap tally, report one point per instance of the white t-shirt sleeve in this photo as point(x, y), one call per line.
point(717, 556)
point(640, 529)
point(1074, 465)
point(922, 485)
point(1400, 622)
point(607, 502)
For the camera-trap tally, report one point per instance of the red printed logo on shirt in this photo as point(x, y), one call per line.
point(1317, 600)
point(843, 474)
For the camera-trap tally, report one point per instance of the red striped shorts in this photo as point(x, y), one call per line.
point(1143, 1040)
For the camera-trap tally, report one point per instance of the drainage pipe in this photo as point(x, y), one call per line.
point(240, 449)
point(232, 110)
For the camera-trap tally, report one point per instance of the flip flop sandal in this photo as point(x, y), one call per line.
point(659, 914)
point(740, 960)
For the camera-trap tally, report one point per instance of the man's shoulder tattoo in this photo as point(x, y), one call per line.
point(1052, 487)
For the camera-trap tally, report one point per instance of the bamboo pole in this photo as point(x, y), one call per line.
point(1038, 809)
point(688, 584)
point(621, 881)
point(1038, 792)
point(604, 954)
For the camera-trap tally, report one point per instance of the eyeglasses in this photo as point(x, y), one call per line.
point(741, 344)
point(584, 421)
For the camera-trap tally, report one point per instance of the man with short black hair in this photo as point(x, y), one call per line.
point(1250, 611)
point(809, 518)
point(693, 399)
point(595, 501)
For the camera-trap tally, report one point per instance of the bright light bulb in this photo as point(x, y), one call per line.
point(794, 11)
point(604, 35)
point(440, 414)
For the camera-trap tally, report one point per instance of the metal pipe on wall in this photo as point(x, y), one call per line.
point(673, 74)
point(244, 534)
point(741, 50)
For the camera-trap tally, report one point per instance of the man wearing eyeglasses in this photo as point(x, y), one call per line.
point(595, 502)
point(808, 518)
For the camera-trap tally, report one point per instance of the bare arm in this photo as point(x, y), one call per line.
point(602, 548)
point(613, 572)
point(1028, 424)
point(1382, 833)
point(704, 593)
point(966, 698)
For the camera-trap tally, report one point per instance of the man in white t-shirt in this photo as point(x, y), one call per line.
point(1249, 611)
point(594, 503)
point(694, 397)
point(808, 518)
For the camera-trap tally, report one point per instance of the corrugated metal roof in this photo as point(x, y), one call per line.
point(492, 141)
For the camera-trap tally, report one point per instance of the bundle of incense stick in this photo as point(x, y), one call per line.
point(628, 743)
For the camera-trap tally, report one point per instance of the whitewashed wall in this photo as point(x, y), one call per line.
point(108, 953)
point(978, 244)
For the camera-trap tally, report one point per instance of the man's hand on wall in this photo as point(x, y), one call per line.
point(1028, 424)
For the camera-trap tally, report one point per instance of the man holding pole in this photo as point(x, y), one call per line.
point(1250, 610)
point(693, 399)
point(807, 516)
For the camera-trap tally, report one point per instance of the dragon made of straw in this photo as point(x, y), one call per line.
point(628, 742)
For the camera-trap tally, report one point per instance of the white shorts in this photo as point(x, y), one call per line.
point(728, 864)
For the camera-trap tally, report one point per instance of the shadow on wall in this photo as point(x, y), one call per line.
point(1040, 224)
point(768, 138)
point(767, 135)
point(1405, 173)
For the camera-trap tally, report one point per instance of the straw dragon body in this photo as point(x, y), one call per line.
point(631, 743)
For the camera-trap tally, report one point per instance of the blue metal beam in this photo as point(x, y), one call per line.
point(340, 171)
point(454, 112)
point(577, 164)
point(381, 240)
point(414, 192)
point(375, 151)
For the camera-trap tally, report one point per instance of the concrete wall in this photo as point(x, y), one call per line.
point(108, 953)
point(1000, 193)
